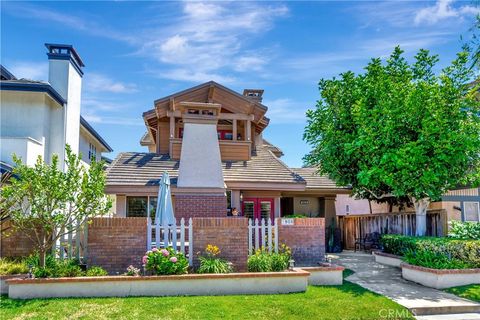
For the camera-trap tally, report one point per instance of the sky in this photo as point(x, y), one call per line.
point(137, 52)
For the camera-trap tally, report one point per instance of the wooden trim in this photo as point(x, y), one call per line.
point(234, 124)
point(157, 146)
point(237, 116)
point(248, 130)
point(275, 186)
point(211, 92)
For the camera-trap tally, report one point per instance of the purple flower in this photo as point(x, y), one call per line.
point(154, 250)
point(173, 259)
point(144, 259)
point(165, 252)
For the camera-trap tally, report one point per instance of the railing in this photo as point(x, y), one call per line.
point(262, 235)
point(163, 236)
point(355, 227)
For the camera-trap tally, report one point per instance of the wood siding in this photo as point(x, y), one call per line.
point(229, 150)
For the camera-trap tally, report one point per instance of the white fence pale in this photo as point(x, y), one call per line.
point(262, 235)
point(72, 244)
point(163, 236)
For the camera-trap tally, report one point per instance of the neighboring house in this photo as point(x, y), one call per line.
point(39, 118)
point(209, 139)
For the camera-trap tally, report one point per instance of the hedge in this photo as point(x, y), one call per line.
point(439, 253)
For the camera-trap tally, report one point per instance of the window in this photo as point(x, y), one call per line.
point(92, 152)
point(347, 208)
point(225, 135)
point(138, 206)
point(471, 211)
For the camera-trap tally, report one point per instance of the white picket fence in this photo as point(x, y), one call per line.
point(72, 244)
point(262, 235)
point(160, 236)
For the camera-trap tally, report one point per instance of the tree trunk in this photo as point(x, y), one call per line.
point(42, 257)
point(421, 206)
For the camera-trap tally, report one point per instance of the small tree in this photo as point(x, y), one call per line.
point(46, 203)
point(398, 130)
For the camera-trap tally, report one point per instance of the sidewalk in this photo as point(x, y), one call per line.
point(388, 281)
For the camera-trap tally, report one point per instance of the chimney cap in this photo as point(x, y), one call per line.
point(64, 51)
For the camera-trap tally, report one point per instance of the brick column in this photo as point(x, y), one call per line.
point(188, 205)
point(306, 238)
point(116, 243)
point(229, 234)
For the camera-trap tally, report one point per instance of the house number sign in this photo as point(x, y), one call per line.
point(287, 222)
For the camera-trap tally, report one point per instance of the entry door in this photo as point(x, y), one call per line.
point(259, 208)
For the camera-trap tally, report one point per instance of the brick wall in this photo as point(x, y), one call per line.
point(200, 205)
point(116, 243)
point(229, 234)
point(306, 238)
point(14, 243)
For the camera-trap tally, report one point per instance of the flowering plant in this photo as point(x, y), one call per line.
point(165, 261)
point(211, 263)
point(132, 271)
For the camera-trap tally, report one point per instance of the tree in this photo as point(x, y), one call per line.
point(398, 130)
point(46, 203)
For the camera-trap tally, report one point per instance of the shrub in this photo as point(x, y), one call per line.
point(295, 216)
point(54, 268)
point(438, 253)
point(95, 271)
point(11, 266)
point(464, 230)
point(132, 271)
point(211, 263)
point(165, 261)
point(263, 261)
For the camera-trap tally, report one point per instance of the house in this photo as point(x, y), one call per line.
point(209, 138)
point(39, 118)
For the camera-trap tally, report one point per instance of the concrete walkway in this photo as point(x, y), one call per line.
point(388, 281)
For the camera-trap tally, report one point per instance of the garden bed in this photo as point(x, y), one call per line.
point(440, 278)
point(175, 285)
point(325, 275)
point(387, 259)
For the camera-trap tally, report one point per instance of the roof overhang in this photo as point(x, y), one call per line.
point(94, 134)
point(33, 87)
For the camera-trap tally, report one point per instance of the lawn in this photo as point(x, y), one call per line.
point(471, 292)
point(348, 301)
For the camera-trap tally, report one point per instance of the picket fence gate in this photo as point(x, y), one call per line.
point(163, 236)
point(262, 235)
point(72, 244)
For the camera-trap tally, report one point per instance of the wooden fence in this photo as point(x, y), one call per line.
point(262, 235)
point(72, 244)
point(355, 227)
point(171, 236)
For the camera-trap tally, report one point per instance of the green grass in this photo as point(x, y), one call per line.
point(348, 301)
point(471, 292)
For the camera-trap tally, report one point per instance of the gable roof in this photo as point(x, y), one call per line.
point(94, 133)
point(315, 180)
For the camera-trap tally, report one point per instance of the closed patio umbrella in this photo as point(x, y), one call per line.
point(164, 213)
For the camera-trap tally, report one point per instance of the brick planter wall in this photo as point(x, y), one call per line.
point(200, 205)
point(116, 243)
point(14, 243)
point(306, 238)
point(229, 234)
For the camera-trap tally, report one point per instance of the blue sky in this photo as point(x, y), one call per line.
point(136, 52)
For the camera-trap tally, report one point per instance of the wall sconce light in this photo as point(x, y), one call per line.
point(241, 196)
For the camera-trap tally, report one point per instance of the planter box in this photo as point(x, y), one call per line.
point(440, 278)
point(387, 259)
point(189, 284)
point(319, 276)
point(3, 279)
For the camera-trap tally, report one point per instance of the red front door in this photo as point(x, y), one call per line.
point(258, 208)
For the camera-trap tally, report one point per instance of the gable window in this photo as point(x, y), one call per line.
point(471, 210)
point(92, 152)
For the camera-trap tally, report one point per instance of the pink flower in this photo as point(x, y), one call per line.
point(154, 250)
point(144, 259)
point(148, 252)
point(173, 259)
point(164, 252)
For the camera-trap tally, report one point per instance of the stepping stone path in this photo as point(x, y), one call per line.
point(425, 303)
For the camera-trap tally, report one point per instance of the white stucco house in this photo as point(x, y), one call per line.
point(39, 118)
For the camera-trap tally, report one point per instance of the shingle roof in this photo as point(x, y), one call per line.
point(315, 180)
point(144, 169)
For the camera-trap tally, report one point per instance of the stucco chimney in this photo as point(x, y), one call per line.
point(65, 76)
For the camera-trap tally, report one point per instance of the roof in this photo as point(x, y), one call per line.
point(145, 169)
point(276, 150)
point(32, 86)
point(94, 133)
point(315, 180)
point(5, 74)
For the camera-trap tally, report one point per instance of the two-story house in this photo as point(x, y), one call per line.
point(39, 118)
point(209, 139)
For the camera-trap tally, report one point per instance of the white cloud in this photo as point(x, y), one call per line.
point(182, 74)
point(443, 9)
point(29, 70)
point(284, 110)
point(96, 82)
point(94, 118)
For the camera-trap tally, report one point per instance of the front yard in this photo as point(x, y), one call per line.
point(471, 292)
point(348, 301)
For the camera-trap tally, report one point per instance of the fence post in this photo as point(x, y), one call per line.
point(257, 240)
point(157, 233)
point(77, 240)
point(269, 228)
point(250, 236)
point(263, 235)
point(190, 242)
point(276, 237)
point(70, 245)
point(149, 233)
point(174, 235)
point(182, 235)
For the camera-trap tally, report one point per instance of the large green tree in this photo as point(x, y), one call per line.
point(46, 202)
point(398, 130)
